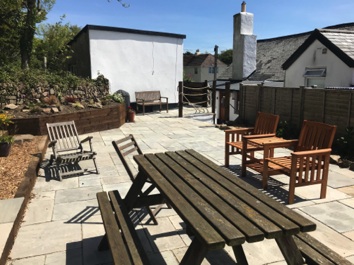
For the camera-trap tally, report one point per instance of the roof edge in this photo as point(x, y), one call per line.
point(135, 31)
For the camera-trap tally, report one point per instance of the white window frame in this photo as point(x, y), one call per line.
point(315, 76)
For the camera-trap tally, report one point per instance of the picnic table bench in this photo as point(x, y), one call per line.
point(316, 252)
point(150, 98)
point(121, 237)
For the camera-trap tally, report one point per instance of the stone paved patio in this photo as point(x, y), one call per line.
point(62, 224)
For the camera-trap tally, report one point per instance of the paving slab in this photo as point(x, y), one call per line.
point(38, 211)
point(334, 214)
point(9, 209)
point(330, 237)
point(45, 238)
point(77, 194)
point(75, 212)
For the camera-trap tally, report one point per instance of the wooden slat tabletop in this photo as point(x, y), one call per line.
point(218, 206)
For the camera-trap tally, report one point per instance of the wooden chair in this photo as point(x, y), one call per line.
point(68, 149)
point(265, 126)
point(309, 163)
point(126, 148)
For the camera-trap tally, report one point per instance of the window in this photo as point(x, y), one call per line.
point(211, 70)
point(195, 70)
point(315, 77)
point(315, 72)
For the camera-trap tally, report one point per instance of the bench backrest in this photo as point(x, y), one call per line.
point(266, 123)
point(148, 95)
point(315, 135)
point(65, 134)
point(126, 148)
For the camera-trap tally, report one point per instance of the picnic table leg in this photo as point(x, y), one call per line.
point(135, 190)
point(240, 255)
point(290, 250)
point(195, 253)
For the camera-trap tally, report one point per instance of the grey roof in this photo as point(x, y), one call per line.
point(340, 42)
point(273, 53)
point(203, 60)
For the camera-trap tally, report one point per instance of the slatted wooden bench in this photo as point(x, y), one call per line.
point(150, 98)
point(315, 252)
point(121, 237)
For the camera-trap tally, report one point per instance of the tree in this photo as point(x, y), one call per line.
point(10, 19)
point(52, 44)
point(226, 56)
point(35, 11)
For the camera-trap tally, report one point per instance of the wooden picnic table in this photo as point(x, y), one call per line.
point(217, 207)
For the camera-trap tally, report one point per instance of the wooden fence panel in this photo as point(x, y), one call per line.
point(284, 104)
point(297, 104)
point(314, 105)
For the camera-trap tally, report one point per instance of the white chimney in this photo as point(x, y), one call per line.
point(244, 46)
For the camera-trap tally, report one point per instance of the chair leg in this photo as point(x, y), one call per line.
point(227, 156)
point(94, 162)
point(292, 186)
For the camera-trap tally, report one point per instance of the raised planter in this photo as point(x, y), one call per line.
point(86, 121)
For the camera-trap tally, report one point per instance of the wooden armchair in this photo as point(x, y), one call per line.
point(68, 149)
point(265, 126)
point(309, 163)
point(126, 148)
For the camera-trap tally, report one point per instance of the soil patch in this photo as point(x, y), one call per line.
point(14, 166)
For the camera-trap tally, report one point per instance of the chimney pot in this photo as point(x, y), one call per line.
point(243, 6)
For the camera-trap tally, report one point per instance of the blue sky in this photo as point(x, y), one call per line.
point(206, 23)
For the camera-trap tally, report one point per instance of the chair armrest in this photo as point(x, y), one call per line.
point(52, 143)
point(239, 130)
point(325, 151)
point(88, 138)
point(254, 136)
point(235, 135)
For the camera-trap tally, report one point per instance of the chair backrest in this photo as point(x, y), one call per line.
point(266, 123)
point(126, 148)
point(65, 134)
point(315, 135)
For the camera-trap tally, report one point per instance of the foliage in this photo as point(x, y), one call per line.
point(286, 130)
point(34, 11)
point(10, 21)
point(28, 85)
point(118, 97)
point(52, 44)
point(345, 143)
point(226, 56)
point(5, 121)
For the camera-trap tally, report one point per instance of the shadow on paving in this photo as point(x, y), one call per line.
point(275, 188)
point(50, 171)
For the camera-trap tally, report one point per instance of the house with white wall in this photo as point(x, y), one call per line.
point(273, 54)
point(325, 59)
point(199, 67)
point(132, 60)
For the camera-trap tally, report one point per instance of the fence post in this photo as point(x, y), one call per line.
point(227, 101)
point(180, 99)
point(302, 105)
point(213, 97)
